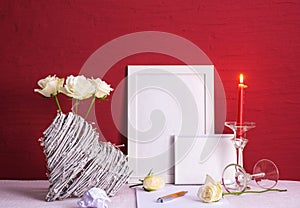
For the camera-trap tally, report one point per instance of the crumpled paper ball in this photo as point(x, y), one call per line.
point(94, 198)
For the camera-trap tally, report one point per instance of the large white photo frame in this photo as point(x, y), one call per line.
point(163, 101)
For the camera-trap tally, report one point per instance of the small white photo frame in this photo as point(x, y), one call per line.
point(163, 101)
point(195, 157)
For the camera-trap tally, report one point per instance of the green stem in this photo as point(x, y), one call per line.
point(90, 107)
point(139, 184)
point(57, 103)
point(76, 106)
point(254, 192)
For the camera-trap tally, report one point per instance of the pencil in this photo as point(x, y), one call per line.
point(171, 196)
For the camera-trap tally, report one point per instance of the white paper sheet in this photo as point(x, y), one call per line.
point(190, 200)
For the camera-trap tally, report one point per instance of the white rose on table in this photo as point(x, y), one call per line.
point(78, 87)
point(102, 89)
point(50, 86)
point(211, 191)
point(153, 183)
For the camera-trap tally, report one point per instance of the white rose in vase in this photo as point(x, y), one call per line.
point(50, 86)
point(78, 87)
point(102, 89)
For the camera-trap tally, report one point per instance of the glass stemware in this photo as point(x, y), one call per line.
point(239, 140)
point(235, 178)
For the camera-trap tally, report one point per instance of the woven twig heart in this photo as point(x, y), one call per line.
point(76, 161)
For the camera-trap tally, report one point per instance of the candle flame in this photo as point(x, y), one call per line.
point(241, 78)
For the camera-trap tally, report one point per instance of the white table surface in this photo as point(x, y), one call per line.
point(14, 193)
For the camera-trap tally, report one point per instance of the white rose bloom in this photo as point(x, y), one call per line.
point(78, 87)
point(102, 88)
point(211, 191)
point(153, 183)
point(50, 86)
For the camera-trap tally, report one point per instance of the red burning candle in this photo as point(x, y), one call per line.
point(241, 98)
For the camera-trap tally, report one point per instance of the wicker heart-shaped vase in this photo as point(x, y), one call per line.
point(76, 161)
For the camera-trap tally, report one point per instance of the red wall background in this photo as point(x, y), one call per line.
point(259, 38)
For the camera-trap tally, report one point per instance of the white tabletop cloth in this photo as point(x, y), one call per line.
point(16, 194)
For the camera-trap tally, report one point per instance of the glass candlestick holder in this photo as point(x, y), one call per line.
point(239, 140)
point(234, 177)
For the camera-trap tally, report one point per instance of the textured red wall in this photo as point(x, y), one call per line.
point(259, 38)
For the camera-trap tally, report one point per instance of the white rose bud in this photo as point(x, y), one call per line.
point(211, 191)
point(78, 87)
point(50, 86)
point(153, 183)
point(102, 89)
